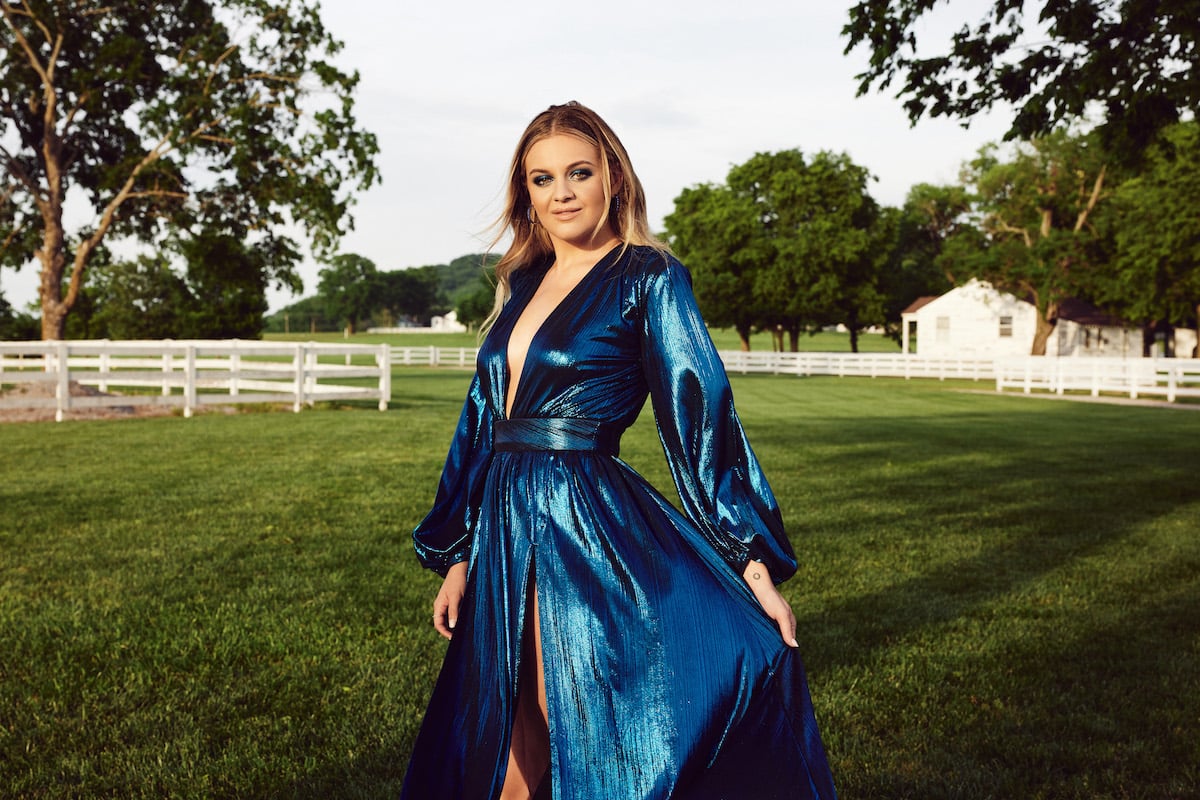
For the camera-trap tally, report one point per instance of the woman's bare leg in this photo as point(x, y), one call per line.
point(529, 754)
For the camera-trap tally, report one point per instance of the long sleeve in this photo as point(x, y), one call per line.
point(444, 537)
point(717, 475)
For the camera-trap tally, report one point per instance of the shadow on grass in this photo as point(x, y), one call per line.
point(1036, 640)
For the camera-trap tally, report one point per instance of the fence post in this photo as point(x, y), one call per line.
point(1171, 380)
point(235, 368)
point(298, 383)
point(189, 387)
point(384, 360)
point(104, 365)
point(310, 378)
point(62, 392)
point(166, 369)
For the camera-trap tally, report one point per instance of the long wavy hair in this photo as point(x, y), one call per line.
point(530, 242)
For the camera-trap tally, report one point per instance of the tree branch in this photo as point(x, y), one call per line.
point(212, 72)
point(1003, 227)
point(18, 172)
point(1081, 220)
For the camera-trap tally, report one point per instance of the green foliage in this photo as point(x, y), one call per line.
point(16, 324)
point(195, 117)
point(142, 299)
point(1135, 59)
point(930, 217)
point(1154, 227)
point(716, 234)
point(996, 596)
point(408, 296)
point(348, 287)
point(787, 244)
point(460, 278)
point(474, 308)
point(1037, 214)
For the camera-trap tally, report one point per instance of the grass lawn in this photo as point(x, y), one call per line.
point(998, 597)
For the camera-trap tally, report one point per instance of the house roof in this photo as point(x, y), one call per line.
point(919, 303)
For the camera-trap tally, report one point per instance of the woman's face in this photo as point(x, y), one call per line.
point(566, 190)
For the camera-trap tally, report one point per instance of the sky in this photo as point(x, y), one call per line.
point(691, 87)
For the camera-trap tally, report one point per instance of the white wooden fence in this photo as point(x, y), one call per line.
point(1170, 378)
point(189, 374)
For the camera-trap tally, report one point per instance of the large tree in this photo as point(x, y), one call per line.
point(787, 244)
point(1133, 60)
point(350, 289)
point(1038, 211)
point(718, 233)
point(186, 119)
point(1153, 227)
point(829, 239)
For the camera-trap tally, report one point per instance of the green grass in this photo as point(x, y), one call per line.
point(998, 596)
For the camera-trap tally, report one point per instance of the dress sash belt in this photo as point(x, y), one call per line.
point(557, 433)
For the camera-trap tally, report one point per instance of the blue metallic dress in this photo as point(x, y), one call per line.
point(664, 676)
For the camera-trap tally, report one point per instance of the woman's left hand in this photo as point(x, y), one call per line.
point(777, 608)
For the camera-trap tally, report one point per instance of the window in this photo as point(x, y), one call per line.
point(943, 330)
point(1006, 327)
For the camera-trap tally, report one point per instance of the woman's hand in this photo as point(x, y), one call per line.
point(777, 608)
point(449, 597)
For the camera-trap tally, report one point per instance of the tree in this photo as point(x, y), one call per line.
point(829, 239)
point(474, 307)
point(1037, 214)
point(172, 119)
point(407, 293)
point(1135, 59)
point(228, 290)
point(349, 287)
point(718, 234)
point(1154, 225)
point(15, 324)
point(930, 217)
point(787, 244)
point(140, 299)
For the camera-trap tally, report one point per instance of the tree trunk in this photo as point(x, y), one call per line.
point(743, 332)
point(53, 261)
point(777, 338)
point(794, 339)
point(1045, 327)
point(1196, 349)
point(853, 326)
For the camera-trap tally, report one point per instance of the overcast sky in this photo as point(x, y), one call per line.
point(692, 87)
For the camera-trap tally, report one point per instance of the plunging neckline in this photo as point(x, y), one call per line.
point(516, 397)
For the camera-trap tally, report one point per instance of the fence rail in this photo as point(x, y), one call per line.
point(189, 374)
point(1171, 378)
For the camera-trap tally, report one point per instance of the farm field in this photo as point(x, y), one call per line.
point(997, 595)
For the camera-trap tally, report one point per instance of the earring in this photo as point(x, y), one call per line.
point(529, 212)
point(616, 206)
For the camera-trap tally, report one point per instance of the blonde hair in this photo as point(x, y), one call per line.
point(530, 243)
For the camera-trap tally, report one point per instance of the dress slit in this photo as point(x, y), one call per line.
point(530, 731)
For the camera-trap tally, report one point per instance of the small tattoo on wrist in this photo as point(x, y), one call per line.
point(757, 575)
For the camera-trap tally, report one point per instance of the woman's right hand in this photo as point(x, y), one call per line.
point(449, 597)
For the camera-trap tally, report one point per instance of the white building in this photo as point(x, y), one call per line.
point(975, 320)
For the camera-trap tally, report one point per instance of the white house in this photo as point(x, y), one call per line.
point(975, 320)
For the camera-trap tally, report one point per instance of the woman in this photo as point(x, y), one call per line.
point(602, 644)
